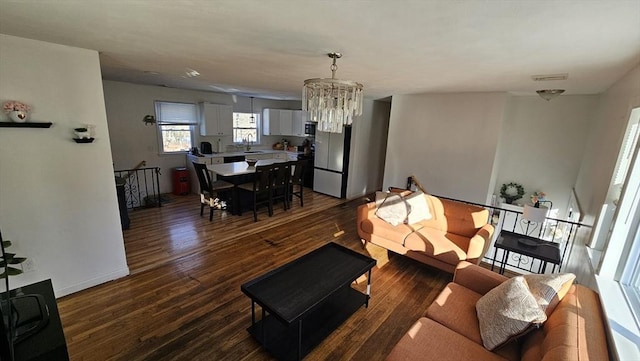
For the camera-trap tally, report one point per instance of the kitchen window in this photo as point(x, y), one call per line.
point(176, 123)
point(245, 128)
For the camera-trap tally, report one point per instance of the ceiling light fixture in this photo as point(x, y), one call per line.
point(252, 119)
point(191, 73)
point(331, 102)
point(548, 94)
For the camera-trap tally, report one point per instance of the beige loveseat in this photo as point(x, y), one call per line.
point(455, 232)
point(574, 330)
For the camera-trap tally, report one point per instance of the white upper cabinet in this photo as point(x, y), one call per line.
point(286, 122)
point(216, 119)
point(283, 122)
point(299, 120)
point(271, 122)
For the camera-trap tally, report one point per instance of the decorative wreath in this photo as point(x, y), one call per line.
point(506, 192)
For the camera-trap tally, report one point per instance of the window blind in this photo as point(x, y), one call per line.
point(176, 113)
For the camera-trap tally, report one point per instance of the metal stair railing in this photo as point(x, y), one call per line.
point(141, 186)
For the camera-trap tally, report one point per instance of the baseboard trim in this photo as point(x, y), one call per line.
point(61, 292)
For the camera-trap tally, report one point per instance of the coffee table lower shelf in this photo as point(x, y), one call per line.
point(282, 340)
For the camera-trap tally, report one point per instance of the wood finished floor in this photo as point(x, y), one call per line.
point(182, 300)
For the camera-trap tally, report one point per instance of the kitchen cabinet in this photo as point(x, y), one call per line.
point(283, 122)
point(216, 119)
point(286, 122)
point(299, 120)
point(271, 122)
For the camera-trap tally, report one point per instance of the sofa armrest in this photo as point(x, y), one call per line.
point(364, 211)
point(476, 278)
point(479, 243)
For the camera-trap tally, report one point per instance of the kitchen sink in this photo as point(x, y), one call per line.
point(253, 151)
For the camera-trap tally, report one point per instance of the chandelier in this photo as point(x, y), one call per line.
point(332, 103)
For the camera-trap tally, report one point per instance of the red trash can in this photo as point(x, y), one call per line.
point(180, 181)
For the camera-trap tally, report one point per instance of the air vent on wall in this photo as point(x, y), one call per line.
point(549, 77)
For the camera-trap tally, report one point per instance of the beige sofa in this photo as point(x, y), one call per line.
point(456, 232)
point(574, 331)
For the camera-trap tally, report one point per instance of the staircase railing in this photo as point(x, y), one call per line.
point(141, 186)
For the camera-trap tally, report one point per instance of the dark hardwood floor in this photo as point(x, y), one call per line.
point(182, 300)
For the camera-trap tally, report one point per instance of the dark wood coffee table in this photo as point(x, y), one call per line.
point(305, 300)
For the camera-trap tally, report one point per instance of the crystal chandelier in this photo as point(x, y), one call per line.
point(332, 103)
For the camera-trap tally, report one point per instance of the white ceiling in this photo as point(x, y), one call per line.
point(267, 48)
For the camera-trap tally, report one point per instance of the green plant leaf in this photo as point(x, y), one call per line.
point(6, 244)
point(17, 260)
point(9, 256)
point(11, 271)
point(3, 263)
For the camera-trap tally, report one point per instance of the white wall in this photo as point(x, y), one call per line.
point(368, 147)
point(58, 198)
point(132, 141)
point(604, 140)
point(542, 145)
point(449, 141)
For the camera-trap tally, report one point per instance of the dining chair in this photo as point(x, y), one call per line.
point(209, 191)
point(280, 178)
point(297, 179)
point(260, 188)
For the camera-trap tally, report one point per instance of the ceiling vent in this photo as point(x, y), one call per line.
point(550, 77)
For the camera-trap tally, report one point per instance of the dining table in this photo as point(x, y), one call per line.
point(238, 173)
point(235, 169)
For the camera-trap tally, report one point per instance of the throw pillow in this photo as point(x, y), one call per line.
point(418, 208)
point(393, 209)
point(506, 312)
point(548, 290)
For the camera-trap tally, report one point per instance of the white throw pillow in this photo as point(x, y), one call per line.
point(393, 209)
point(418, 208)
point(507, 312)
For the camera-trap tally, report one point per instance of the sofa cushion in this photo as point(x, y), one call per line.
point(507, 312)
point(429, 340)
point(548, 289)
point(382, 229)
point(455, 217)
point(455, 308)
point(437, 244)
point(574, 331)
point(418, 208)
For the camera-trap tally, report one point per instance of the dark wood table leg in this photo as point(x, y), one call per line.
point(495, 254)
point(505, 259)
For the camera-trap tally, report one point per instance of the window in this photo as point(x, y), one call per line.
point(176, 123)
point(245, 128)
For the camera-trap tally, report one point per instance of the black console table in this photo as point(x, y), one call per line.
point(545, 251)
point(49, 343)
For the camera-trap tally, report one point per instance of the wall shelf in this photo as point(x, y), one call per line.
point(25, 125)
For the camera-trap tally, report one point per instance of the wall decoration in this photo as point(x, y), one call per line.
point(511, 192)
